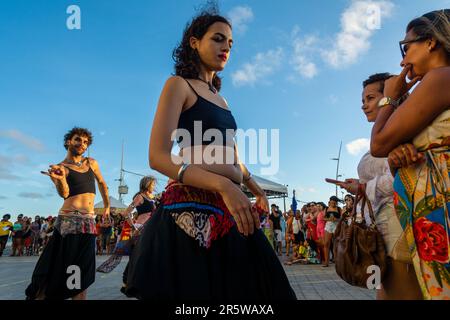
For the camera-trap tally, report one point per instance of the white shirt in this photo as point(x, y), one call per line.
point(296, 225)
point(375, 173)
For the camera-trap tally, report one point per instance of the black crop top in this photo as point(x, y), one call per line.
point(80, 182)
point(206, 115)
point(336, 214)
point(146, 207)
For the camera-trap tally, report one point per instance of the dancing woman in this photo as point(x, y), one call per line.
point(144, 204)
point(421, 124)
point(204, 241)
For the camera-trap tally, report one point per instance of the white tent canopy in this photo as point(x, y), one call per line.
point(114, 203)
point(271, 188)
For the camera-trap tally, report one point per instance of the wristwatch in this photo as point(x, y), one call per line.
point(386, 101)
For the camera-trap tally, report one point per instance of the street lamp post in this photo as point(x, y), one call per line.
point(337, 166)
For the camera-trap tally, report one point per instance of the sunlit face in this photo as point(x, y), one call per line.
point(417, 55)
point(78, 145)
point(349, 201)
point(371, 95)
point(215, 46)
point(151, 186)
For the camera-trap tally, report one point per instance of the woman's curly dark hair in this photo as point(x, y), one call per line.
point(187, 60)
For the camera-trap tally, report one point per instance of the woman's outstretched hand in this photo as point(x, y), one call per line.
point(351, 185)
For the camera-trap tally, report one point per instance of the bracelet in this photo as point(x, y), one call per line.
point(248, 177)
point(181, 172)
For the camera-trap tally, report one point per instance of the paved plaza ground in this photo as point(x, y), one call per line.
point(310, 282)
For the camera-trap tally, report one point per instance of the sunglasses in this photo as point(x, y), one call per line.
point(404, 44)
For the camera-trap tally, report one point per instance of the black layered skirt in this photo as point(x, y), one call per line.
point(191, 250)
point(65, 268)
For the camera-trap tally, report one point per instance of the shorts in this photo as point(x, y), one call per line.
point(392, 232)
point(330, 226)
point(18, 235)
point(277, 235)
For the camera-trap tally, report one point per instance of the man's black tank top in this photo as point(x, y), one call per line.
point(80, 182)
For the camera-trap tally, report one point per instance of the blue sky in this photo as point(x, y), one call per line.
point(296, 66)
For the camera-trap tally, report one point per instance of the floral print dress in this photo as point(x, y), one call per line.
point(422, 203)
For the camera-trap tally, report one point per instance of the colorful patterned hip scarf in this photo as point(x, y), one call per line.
point(200, 213)
point(75, 222)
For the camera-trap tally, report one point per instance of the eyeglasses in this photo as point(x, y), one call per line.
point(404, 44)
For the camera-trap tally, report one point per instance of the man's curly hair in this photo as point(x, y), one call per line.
point(187, 60)
point(82, 132)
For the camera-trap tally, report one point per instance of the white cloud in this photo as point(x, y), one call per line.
point(263, 65)
point(303, 50)
point(31, 195)
point(357, 146)
point(301, 190)
point(6, 164)
point(19, 136)
point(240, 16)
point(358, 23)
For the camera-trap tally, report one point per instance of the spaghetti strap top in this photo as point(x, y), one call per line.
point(215, 124)
point(80, 182)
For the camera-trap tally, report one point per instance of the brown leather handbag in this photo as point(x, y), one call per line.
point(358, 246)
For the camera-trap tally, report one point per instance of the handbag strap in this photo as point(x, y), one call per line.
point(362, 196)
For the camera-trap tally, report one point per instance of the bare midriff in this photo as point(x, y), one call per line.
point(83, 203)
point(221, 160)
point(142, 218)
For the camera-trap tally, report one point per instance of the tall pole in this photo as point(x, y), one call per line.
point(337, 167)
point(284, 201)
point(121, 173)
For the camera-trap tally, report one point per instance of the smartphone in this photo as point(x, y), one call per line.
point(333, 181)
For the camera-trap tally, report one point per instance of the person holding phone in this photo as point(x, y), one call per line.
point(375, 180)
point(73, 233)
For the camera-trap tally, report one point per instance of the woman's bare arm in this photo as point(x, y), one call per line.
point(172, 100)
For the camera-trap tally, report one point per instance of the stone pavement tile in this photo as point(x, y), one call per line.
point(310, 282)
